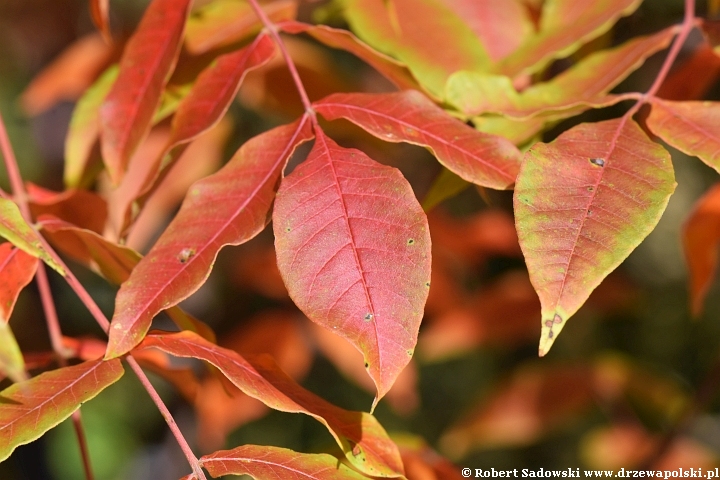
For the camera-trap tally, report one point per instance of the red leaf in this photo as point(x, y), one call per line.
point(582, 205)
point(31, 408)
point(100, 13)
point(239, 196)
point(226, 22)
point(114, 261)
point(353, 248)
point(81, 207)
point(393, 70)
point(145, 67)
point(365, 443)
point(17, 268)
point(701, 238)
point(691, 127)
point(410, 117)
point(269, 463)
point(215, 89)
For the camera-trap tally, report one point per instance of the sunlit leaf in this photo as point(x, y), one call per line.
point(225, 22)
point(85, 127)
point(427, 36)
point(362, 439)
point(12, 363)
point(585, 84)
point(501, 26)
point(691, 127)
point(701, 239)
point(14, 228)
point(564, 26)
point(582, 205)
point(29, 409)
point(114, 262)
point(479, 158)
point(17, 269)
point(215, 89)
point(393, 70)
point(239, 196)
point(146, 65)
point(271, 463)
point(353, 248)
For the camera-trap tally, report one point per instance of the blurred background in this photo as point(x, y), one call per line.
point(632, 381)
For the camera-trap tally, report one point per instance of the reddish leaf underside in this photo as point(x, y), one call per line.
point(265, 462)
point(226, 208)
point(14, 229)
point(582, 205)
point(691, 127)
point(353, 248)
point(146, 65)
point(480, 158)
point(17, 268)
point(564, 26)
point(31, 408)
point(701, 239)
point(393, 70)
point(363, 440)
point(425, 35)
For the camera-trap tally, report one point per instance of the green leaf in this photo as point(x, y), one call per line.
point(432, 40)
point(12, 363)
point(582, 205)
point(29, 409)
point(14, 228)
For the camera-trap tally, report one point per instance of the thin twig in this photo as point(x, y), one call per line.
point(272, 28)
point(192, 459)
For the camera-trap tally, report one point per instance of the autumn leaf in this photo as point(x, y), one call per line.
point(393, 70)
point(14, 228)
point(240, 196)
point(582, 205)
point(564, 26)
point(700, 240)
point(501, 26)
point(691, 127)
point(84, 208)
point(17, 269)
point(428, 37)
point(353, 248)
point(29, 409)
point(226, 22)
point(585, 84)
point(265, 462)
point(477, 157)
point(114, 262)
point(12, 363)
point(146, 65)
point(362, 439)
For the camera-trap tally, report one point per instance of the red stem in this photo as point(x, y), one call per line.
point(82, 443)
point(192, 460)
point(53, 324)
point(272, 28)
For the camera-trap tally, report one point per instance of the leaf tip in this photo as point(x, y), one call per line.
point(551, 327)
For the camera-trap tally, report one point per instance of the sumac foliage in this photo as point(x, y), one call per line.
point(525, 101)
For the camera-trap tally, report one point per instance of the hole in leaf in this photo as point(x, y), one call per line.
point(287, 229)
point(590, 189)
point(427, 284)
point(368, 316)
point(367, 365)
point(410, 241)
point(600, 162)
